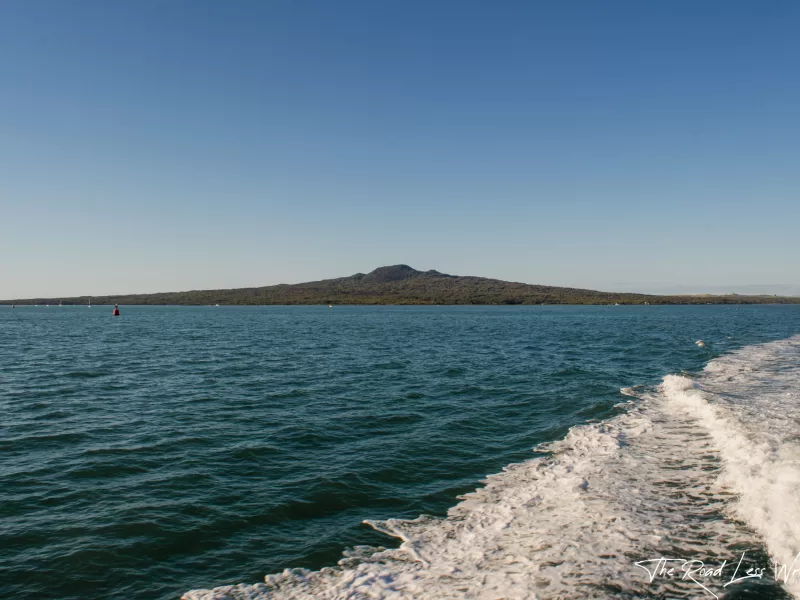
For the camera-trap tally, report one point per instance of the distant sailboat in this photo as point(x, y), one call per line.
point(90, 302)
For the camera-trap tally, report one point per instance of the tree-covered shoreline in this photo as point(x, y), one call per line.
point(402, 285)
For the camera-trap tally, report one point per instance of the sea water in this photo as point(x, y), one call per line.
point(407, 452)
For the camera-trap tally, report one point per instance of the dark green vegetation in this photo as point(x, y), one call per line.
point(400, 284)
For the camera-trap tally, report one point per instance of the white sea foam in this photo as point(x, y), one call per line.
point(634, 391)
point(694, 469)
point(749, 401)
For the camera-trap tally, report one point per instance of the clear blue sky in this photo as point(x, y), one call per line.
point(157, 146)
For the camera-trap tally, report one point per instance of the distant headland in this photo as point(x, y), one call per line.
point(401, 284)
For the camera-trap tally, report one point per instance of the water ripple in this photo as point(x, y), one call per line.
point(177, 448)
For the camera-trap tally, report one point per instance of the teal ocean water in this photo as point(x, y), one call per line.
point(177, 448)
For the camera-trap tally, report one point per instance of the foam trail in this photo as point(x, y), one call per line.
point(686, 471)
point(749, 402)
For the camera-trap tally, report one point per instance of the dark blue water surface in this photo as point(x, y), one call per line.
point(175, 448)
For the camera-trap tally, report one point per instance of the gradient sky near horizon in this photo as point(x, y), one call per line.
point(181, 144)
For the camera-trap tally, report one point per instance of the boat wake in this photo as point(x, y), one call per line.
point(694, 483)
